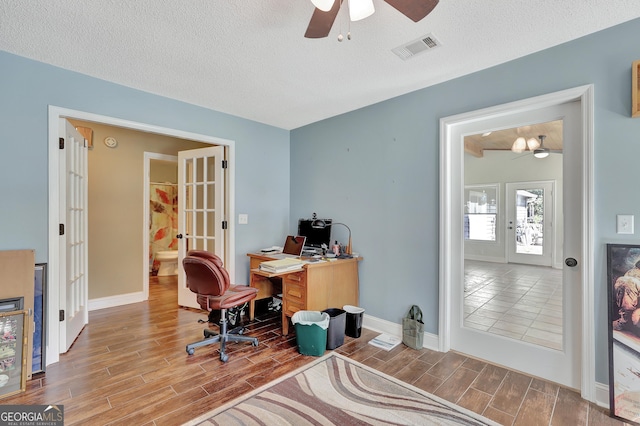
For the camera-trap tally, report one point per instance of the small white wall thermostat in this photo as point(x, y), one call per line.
point(110, 142)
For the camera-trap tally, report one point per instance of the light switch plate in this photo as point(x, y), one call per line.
point(243, 219)
point(625, 224)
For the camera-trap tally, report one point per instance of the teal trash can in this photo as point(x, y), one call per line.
point(311, 331)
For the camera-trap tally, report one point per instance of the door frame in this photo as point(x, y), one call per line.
point(55, 113)
point(148, 157)
point(451, 196)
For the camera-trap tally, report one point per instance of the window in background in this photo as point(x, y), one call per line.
point(480, 212)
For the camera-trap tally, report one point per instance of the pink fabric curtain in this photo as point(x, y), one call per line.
point(163, 223)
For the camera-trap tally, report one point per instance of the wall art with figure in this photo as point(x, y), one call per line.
point(13, 342)
point(623, 280)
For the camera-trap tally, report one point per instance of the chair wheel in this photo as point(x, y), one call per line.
point(224, 357)
point(241, 331)
point(190, 351)
point(254, 343)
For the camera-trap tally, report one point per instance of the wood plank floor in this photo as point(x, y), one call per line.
point(129, 367)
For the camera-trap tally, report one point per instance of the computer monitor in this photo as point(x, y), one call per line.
point(315, 237)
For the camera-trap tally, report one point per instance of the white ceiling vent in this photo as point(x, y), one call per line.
point(420, 45)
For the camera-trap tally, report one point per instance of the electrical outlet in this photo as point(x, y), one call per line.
point(243, 219)
point(625, 224)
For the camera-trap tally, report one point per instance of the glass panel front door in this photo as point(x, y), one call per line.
point(529, 210)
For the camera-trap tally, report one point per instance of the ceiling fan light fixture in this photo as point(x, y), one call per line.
point(360, 9)
point(541, 153)
point(533, 144)
point(519, 145)
point(323, 5)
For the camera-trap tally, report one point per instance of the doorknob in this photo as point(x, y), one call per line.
point(179, 236)
point(571, 262)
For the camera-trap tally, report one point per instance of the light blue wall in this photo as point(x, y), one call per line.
point(378, 168)
point(27, 88)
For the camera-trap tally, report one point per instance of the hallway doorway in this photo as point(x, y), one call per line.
point(55, 304)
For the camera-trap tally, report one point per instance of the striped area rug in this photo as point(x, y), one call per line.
point(335, 390)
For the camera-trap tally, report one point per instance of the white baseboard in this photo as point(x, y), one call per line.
point(482, 258)
point(602, 395)
point(113, 301)
point(431, 342)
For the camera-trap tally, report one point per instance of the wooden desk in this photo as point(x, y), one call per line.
point(316, 287)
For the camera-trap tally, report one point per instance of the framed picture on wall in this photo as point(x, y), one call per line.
point(623, 282)
point(13, 348)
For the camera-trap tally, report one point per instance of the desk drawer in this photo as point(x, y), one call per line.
point(298, 277)
point(294, 296)
point(291, 307)
point(295, 292)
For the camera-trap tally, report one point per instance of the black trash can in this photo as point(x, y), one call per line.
point(353, 327)
point(337, 323)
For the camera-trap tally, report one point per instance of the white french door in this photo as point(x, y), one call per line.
point(73, 239)
point(201, 213)
point(530, 222)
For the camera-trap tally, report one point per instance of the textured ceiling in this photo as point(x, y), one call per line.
point(249, 57)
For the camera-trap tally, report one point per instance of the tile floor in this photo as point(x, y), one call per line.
point(518, 301)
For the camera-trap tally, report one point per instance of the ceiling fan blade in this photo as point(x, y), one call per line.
point(321, 22)
point(414, 9)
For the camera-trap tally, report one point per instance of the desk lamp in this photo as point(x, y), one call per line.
point(321, 224)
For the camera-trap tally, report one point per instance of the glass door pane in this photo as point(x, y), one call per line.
point(529, 209)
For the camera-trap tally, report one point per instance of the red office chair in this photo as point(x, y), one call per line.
point(210, 281)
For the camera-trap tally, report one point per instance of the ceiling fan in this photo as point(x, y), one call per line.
point(538, 148)
point(326, 11)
